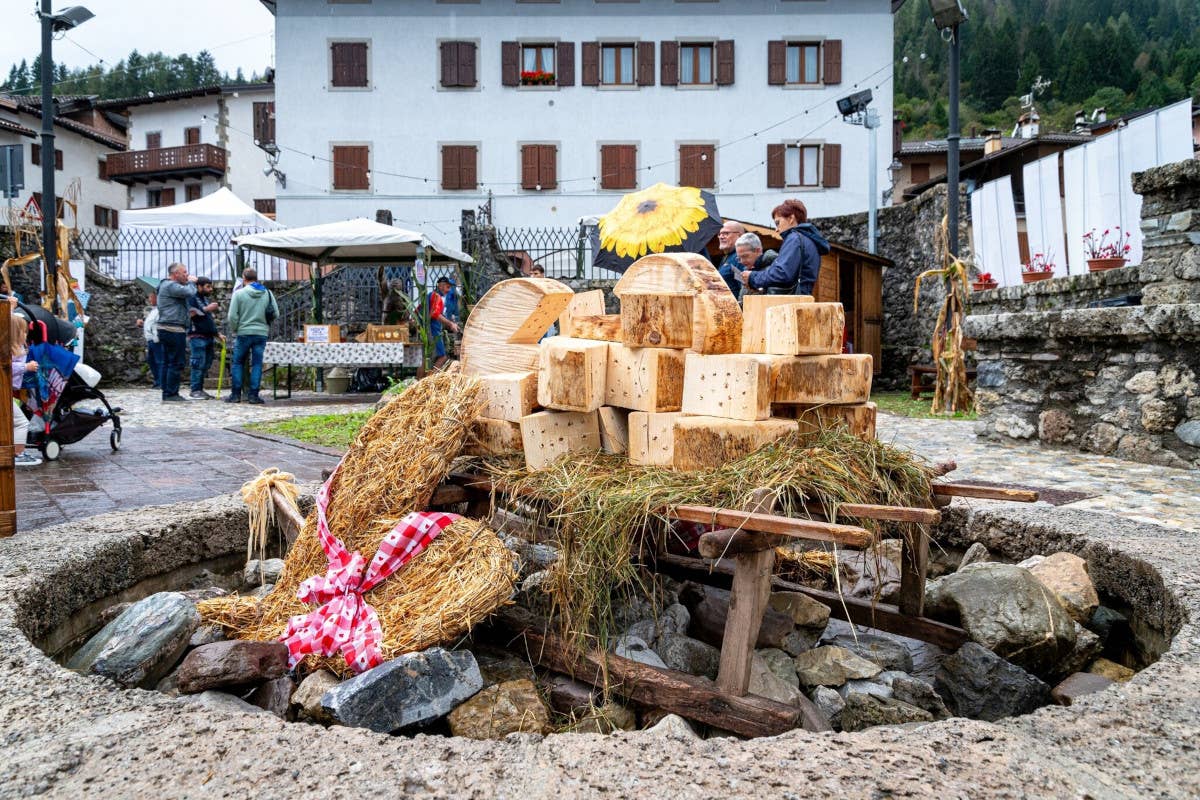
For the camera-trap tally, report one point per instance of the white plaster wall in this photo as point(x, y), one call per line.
point(405, 115)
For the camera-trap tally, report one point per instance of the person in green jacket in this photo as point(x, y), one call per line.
point(251, 312)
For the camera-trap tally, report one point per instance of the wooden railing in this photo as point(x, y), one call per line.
point(190, 158)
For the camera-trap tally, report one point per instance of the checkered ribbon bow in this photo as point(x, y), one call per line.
point(345, 621)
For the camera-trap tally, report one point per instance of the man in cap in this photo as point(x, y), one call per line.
point(438, 319)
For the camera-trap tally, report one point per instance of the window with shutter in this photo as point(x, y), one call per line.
point(832, 49)
point(616, 65)
point(695, 64)
point(536, 66)
point(458, 64)
point(803, 63)
point(832, 173)
point(591, 63)
point(351, 167)
point(725, 62)
point(697, 165)
point(776, 175)
point(466, 65)
point(264, 123)
point(565, 76)
point(191, 135)
point(795, 164)
point(919, 172)
point(102, 169)
point(348, 65)
point(539, 167)
point(105, 217)
point(618, 166)
point(154, 140)
point(192, 191)
point(35, 154)
point(645, 73)
point(459, 168)
point(265, 206)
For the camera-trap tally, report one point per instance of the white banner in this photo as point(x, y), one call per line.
point(1043, 213)
point(994, 231)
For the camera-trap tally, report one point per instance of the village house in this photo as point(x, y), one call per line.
point(554, 109)
point(186, 144)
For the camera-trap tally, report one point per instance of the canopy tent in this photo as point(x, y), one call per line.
point(355, 241)
point(197, 234)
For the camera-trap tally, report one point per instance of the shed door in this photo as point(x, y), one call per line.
point(870, 313)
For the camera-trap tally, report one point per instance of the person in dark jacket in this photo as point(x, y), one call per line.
point(796, 269)
point(173, 321)
point(727, 263)
point(202, 337)
point(750, 255)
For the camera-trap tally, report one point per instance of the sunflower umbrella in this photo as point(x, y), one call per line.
point(660, 219)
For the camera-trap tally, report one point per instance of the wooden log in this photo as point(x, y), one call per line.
point(644, 378)
point(548, 435)
point(716, 318)
point(817, 380)
point(600, 327)
point(677, 692)
point(944, 468)
point(847, 535)
point(859, 418)
point(754, 317)
point(289, 520)
point(572, 374)
point(748, 598)
point(652, 438)
point(805, 329)
point(510, 395)
point(583, 304)
point(503, 328)
point(448, 494)
point(731, 542)
point(494, 437)
point(710, 442)
point(984, 492)
point(914, 568)
point(614, 430)
point(734, 386)
point(657, 320)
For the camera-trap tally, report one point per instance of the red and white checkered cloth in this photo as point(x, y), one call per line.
point(346, 622)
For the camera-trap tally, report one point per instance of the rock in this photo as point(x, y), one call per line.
point(1111, 670)
point(306, 700)
point(982, 685)
point(865, 687)
point(112, 612)
point(501, 667)
point(674, 619)
point(781, 664)
point(673, 726)
point(800, 641)
point(765, 683)
point(872, 573)
point(830, 703)
point(1107, 623)
point(605, 719)
point(1054, 426)
point(887, 653)
point(637, 650)
point(169, 685)
point(220, 701)
point(1066, 575)
point(236, 662)
point(412, 689)
point(708, 621)
point(1189, 432)
point(832, 666)
point(510, 707)
point(569, 696)
point(1007, 610)
point(1087, 646)
point(531, 595)
point(864, 711)
point(976, 554)
point(689, 655)
point(263, 591)
point(261, 573)
point(142, 645)
point(645, 629)
point(532, 557)
point(206, 635)
point(804, 611)
point(274, 696)
point(207, 593)
point(1077, 685)
point(918, 693)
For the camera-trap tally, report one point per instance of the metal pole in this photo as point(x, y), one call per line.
point(952, 148)
point(873, 182)
point(49, 205)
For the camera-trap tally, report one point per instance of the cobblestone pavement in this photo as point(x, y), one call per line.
point(1136, 491)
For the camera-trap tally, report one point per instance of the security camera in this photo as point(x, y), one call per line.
point(854, 103)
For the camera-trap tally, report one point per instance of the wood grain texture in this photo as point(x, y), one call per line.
point(859, 418)
point(984, 492)
point(571, 374)
point(583, 304)
point(736, 386)
point(805, 329)
point(748, 598)
point(549, 435)
point(644, 378)
point(816, 380)
point(502, 330)
point(716, 316)
point(705, 442)
point(509, 395)
point(754, 317)
point(847, 535)
point(601, 327)
point(663, 320)
point(494, 437)
point(652, 437)
point(614, 429)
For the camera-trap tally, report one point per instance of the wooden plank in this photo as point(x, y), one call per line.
point(711, 442)
point(644, 378)
point(736, 386)
point(549, 435)
point(663, 320)
point(510, 395)
point(652, 438)
point(502, 330)
point(289, 520)
point(600, 327)
point(925, 516)
point(817, 380)
point(984, 492)
point(582, 304)
point(754, 317)
point(914, 567)
point(716, 317)
point(677, 692)
point(572, 374)
point(494, 437)
point(847, 535)
point(614, 430)
point(448, 494)
point(748, 598)
point(805, 329)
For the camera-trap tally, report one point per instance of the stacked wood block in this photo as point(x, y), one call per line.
point(652, 438)
point(805, 329)
point(509, 395)
point(572, 374)
point(859, 418)
point(644, 378)
point(583, 304)
point(736, 386)
point(709, 442)
point(549, 435)
point(754, 317)
point(817, 380)
point(678, 300)
point(494, 437)
point(614, 430)
point(502, 332)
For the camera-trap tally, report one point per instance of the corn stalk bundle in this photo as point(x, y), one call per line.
point(951, 392)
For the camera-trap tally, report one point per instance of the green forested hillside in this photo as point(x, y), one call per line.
point(1119, 54)
point(133, 76)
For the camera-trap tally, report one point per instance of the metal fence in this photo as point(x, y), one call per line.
point(129, 253)
point(561, 252)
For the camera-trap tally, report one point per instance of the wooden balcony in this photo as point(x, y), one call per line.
point(165, 163)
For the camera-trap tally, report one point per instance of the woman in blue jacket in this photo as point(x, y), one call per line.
point(796, 269)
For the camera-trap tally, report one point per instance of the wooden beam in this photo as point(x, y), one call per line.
point(924, 516)
point(748, 599)
point(848, 535)
point(447, 494)
point(677, 692)
point(732, 542)
point(290, 521)
point(914, 567)
point(984, 492)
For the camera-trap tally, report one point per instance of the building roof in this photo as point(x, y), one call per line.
point(1069, 140)
point(977, 143)
point(21, 105)
point(13, 127)
point(183, 94)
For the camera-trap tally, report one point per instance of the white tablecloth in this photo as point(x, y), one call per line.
point(343, 354)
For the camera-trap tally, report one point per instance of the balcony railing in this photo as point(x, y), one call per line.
point(166, 162)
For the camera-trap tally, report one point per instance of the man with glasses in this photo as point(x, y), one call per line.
point(728, 266)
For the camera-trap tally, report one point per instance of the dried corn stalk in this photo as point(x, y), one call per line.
point(951, 392)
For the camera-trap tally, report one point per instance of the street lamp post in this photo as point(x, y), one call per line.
point(63, 21)
point(947, 16)
point(854, 111)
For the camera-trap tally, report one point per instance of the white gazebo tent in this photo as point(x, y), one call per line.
point(197, 234)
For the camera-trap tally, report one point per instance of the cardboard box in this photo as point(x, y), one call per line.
point(387, 334)
point(321, 334)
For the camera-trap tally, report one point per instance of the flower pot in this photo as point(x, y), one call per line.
point(1102, 264)
point(1033, 277)
point(983, 286)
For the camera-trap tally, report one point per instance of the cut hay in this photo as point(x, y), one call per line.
point(397, 460)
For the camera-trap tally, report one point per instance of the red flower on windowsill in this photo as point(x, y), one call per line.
point(537, 78)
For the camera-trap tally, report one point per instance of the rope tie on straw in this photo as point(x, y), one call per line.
point(345, 622)
point(257, 494)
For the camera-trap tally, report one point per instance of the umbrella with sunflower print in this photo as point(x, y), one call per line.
point(660, 219)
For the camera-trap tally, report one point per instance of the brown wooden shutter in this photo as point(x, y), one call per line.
point(510, 63)
point(467, 75)
point(451, 171)
point(669, 73)
point(153, 140)
point(337, 64)
point(35, 153)
point(776, 63)
point(468, 162)
point(349, 63)
point(97, 217)
point(548, 166)
point(350, 165)
point(58, 159)
point(609, 166)
point(725, 62)
point(529, 166)
point(776, 177)
point(591, 63)
point(449, 56)
point(832, 168)
point(697, 165)
point(168, 197)
point(264, 123)
point(192, 192)
point(832, 49)
point(112, 216)
point(565, 67)
point(627, 169)
point(102, 169)
point(191, 135)
point(645, 65)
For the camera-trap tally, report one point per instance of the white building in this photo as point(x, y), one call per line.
point(183, 145)
point(84, 138)
point(555, 108)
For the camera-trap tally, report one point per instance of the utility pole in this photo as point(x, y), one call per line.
point(49, 205)
point(952, 163)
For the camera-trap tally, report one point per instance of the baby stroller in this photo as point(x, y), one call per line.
point(63, 382)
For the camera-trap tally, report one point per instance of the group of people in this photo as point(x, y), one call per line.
point(747, 269)
point(181, 326)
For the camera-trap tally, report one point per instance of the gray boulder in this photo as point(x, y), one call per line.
point(306, 700)
point(871, 687)
point(804, 611)
point(261, 573)
point(887, 653)
point(765, 683)
point(636, 649)
point(220, 701)
point(206, 634)
point(976, 554)
point(781, 664)
point(140, 646)
point(412, 689)
point(274, 696)
point(832, 666)
point(829, 702)
point(918, 693)
point(674, 619)
point(688, 655)
point(982, 685)
point(872, 573)
point(1087, 647)
point(1007, 610)
point(673, 726)
point(800, 641)
point(501, 667)
point(864, 711)
point(236, 662)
